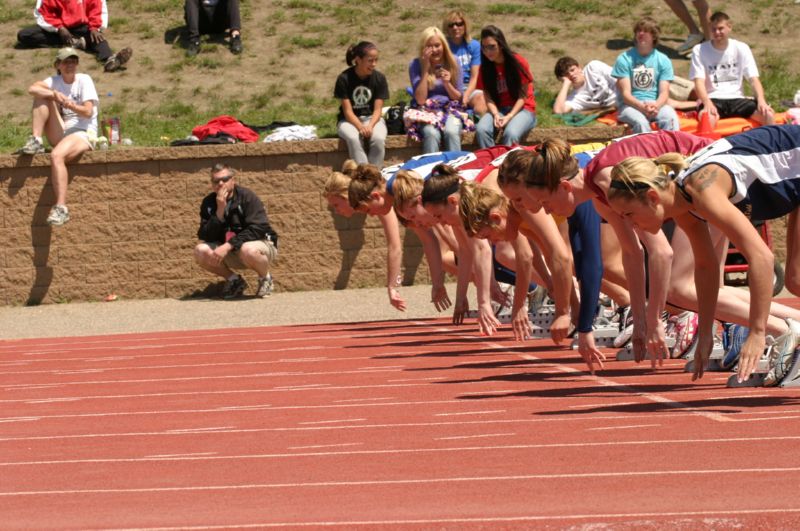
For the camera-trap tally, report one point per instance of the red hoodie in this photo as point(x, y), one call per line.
point(70, 13)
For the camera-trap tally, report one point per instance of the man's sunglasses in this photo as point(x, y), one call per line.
point(221, 179)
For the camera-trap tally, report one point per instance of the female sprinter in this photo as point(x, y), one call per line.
point(752, 175)
point(669, 279)
point(336, 193)
point(558, 183)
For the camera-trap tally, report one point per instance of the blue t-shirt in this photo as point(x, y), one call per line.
point(438, 92)
point(468, 55)
point(645, 73)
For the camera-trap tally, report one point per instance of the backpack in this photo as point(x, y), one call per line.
point(394, 119)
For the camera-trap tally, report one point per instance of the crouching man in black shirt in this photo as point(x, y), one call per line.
point(235, 234)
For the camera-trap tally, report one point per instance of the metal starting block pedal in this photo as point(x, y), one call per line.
point(626, 352)
point(717, 353)
point(603, 336)
point(791, 379)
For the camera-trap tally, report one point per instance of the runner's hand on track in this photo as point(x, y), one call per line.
point(656, 343)
point(521, 325)
point(397, 300)
point(460, 310)
point(589, 352)
point(751, 352)
point(559, 329)
point(705, 342)
point(639, 341)
point(439, 298)
point(487, 320)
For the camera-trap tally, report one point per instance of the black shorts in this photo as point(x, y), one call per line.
point(744, 107)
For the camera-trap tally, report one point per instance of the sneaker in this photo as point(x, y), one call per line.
point(31, 147)
point(59, 215)
point(783, 354)
point(685, 330)
point(234, 288)
point(264, 286)
point(236, 44)
point(79, 43)
point(733, 337)
point(193, 48)
point(625, 327)
point(118, 60)
point(691, 41)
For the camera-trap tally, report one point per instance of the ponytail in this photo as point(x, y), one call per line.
point(365, 179)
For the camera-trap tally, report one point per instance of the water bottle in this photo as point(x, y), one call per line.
point(113, 133)
point(797, 99)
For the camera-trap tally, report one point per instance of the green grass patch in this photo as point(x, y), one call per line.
point(307, 42)
point(512, 9)
point(14, 13)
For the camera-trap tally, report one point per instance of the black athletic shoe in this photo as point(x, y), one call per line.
point(193, 48)
point(236, 44)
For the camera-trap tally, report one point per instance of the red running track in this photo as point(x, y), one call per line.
point(403, 424)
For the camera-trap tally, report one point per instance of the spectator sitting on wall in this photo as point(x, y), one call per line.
point(584, 89)
point(74, 23)
point(65, 109)
point(204, 17)
point(719, 67)
point(235, 234)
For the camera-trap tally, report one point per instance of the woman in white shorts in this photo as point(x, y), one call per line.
point(65, 110)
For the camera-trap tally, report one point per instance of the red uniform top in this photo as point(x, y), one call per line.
point(649, 145)
point(505, 97)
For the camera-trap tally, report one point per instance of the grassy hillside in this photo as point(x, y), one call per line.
point(295, 48)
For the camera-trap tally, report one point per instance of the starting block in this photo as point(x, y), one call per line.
point(626, 352)
point(790, 379)
point(603, 336)
point(717, 353)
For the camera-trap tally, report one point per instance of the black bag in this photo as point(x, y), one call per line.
point(394, 119)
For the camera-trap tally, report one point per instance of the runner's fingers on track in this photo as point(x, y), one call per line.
point(487, 321)
point(440, 299)
point(522, 326)
point(459, 311)
point(592, 356)
point(658, 350)
point(559, 329)
point(748, 359)
point(702, 354)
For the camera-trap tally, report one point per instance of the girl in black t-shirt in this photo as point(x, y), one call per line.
point(362, 91)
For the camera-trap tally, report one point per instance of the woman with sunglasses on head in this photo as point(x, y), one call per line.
point(362, 91)
point(507, 83)
point(752, 175)
point(437, 117)
point(468, 54)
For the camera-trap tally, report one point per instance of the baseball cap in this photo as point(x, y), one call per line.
point(64, 53)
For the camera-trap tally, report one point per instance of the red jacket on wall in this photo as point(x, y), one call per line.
point(54, 14)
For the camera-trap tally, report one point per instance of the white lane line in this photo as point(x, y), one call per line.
point(396, 451)
point(229, 340)
point(606, 404)
point(493, 391)
point(628, 388)
point(27, 386)
point(329, 421)
point(623, 427)
point(416, 481)
point(767, 419)
point(199, 393)
point(473, 436)
point(164, 456)
point(201, 430)
point(303, 386)
point(432, 378)
point(373, 367)
point(365, 399)
point(722, 513)
point(50, 400)
point(486, 412)
point(323, 446)
point(361, 427)
point(19, 419)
